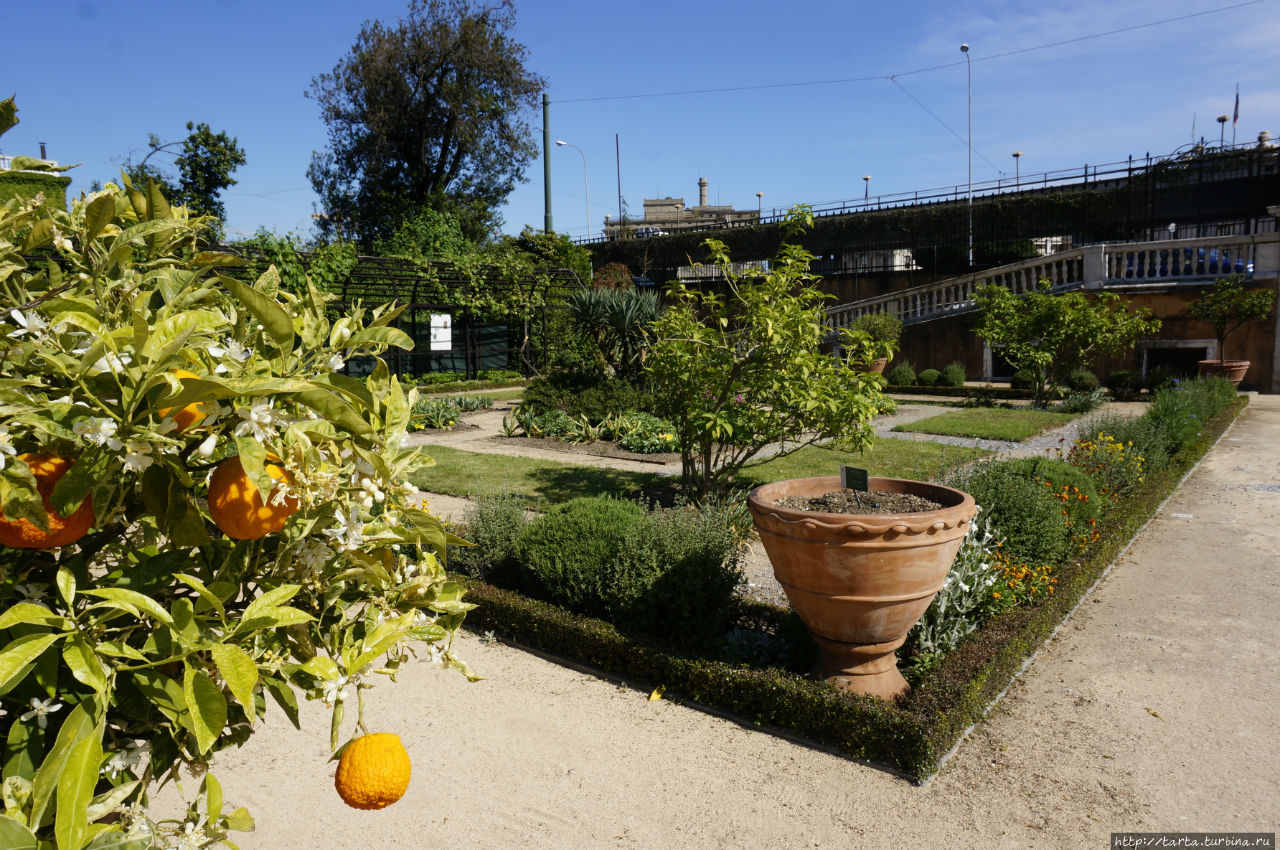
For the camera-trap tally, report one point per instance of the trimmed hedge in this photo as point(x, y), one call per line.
point(911, 734)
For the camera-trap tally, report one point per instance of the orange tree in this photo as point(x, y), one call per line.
point(131, 367)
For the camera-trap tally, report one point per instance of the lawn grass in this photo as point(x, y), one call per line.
point(887, 458)
point(990, 423)
point(537, 483)
point(541, 483)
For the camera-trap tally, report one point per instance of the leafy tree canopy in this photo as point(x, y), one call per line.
point(1054, 334)
point(1228, 306)
point(426, 113)
point(204, 165)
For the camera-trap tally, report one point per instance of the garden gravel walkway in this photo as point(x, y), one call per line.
point(1155, 708)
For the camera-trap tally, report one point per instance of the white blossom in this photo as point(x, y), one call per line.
point(336, 362)
point(30, 592)
point(111, 362)
point(28, 323)
point(207, 446)
point(6, 447)
point(137, 456)
point(259, 421)
point(100, 431)
point(336, 690)
point(40, 710)
point(348, 535)
point(62, 242)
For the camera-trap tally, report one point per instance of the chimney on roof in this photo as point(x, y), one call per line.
point(43, 155)
point(702, 191)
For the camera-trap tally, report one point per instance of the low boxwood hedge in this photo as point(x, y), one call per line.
point(911, 734)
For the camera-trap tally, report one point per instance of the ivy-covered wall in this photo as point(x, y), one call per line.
point(27, 184)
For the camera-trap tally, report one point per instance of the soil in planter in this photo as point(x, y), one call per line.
point(855, 502)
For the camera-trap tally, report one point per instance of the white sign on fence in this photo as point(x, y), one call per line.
point(441, 332)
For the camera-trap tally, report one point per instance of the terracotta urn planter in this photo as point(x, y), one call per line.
point(1232, 370)
point(860, 581)
point(876, 366)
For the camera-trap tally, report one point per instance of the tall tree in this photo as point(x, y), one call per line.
point(204, 168)
point(427, 113)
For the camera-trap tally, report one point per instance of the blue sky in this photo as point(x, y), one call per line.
point(812, 113)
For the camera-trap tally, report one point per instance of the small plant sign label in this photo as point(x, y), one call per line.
point(852, 478)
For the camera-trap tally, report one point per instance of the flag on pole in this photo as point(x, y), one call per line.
point(1236, 115)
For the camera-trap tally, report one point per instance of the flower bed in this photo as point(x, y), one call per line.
point(912, 734)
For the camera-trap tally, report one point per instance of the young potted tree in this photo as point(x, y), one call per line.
point(882, 329)
point(1228, 306)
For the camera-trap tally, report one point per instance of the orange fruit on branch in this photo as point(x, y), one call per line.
point(237, 507)
point(190, 415)
point(373, 772)
point(21, 533)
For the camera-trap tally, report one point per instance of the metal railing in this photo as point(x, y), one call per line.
point(1104, 266)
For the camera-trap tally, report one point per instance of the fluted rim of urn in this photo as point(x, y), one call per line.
point(961, 509)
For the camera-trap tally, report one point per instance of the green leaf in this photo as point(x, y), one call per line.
point(322, 667)
point(157, 206)
point(207, 706)
point(66, 585)
point(213, 797)
point(284, 696)
point(73, 488)
point(110, 799)
point(240, 673)
point(133, 602)
point(272, 618)
point(30, 612)
point(335, 725)
point(15, 836)
point(17, 657)
point(253, 459)
point(78, 725)
point(170, 333)
point(98, 215)
point(380, 336)
point(205, 593)
point(240, 820)
point(75, 789)
point(273, 317)
point(272, 598)
point(40, 234)
point(333, 407)
point(83, 663)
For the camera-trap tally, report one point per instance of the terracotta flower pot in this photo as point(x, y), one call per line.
point(860, 581)
point(876, 366)
point(1232, 370)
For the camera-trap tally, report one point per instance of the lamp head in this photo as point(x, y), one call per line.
point(560, 143)
point(964, 48)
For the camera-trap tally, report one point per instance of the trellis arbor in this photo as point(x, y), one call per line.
point(462, 317)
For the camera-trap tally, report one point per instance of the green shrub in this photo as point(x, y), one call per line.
point(435, 413)
point(1082, 402)
point(1023, 379)
point(644, 433)
point(960, 606)
point(952, 376)
point(1182, 407)
point(1025, 515)
point(471, 403)
point(676, 575)
point(902, 375)
point(883, 327)
point(583, 393)
point(1075, 491)
point(1123, 383)
point(493, 524)
point(1163, 377)
point(1082, 381)
point(567, 554)
point(928, 377)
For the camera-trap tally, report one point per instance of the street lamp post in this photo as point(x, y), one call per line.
point(585, 188)
point(1017, 170)
point(866, 187)
point(964, 48)
point(1222, 129)
point(759, 207)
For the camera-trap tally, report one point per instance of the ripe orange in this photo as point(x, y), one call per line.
point(23, 534)
point(236, 506)
point(373, 772)
point(192, 413)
